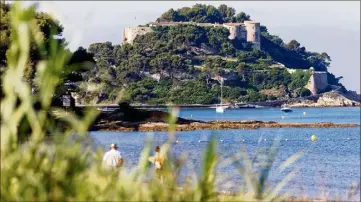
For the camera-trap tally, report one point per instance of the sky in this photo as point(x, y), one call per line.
point(321, 26)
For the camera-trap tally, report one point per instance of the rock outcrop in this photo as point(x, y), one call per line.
point(335, 99)
point(131, 118)
point(211, 125)
point(328, 99)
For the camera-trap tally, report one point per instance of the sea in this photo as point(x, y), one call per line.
point(328, 167)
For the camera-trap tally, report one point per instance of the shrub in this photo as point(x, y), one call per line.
point(304, 92)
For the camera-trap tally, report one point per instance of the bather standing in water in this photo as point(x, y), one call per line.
point(112, 159)
point(158, 162)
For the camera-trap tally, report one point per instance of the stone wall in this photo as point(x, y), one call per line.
point(249, 30)
point(317, 83)
point(130, 33)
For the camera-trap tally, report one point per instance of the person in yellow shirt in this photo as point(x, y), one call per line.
point(158, 161)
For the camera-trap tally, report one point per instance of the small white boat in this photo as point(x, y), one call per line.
point(220, 109)
point(286, 109)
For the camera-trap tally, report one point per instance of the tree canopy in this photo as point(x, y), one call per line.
point(203, 13)
point(49, 30)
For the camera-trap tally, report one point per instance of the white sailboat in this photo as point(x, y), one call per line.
point(220, 108)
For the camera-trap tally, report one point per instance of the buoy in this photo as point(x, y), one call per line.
point(243, 140)
point(199, 141)
point(313, 138)
point(305, 113)
point(265, 139)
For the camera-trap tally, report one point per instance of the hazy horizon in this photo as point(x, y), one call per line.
point(331, 27)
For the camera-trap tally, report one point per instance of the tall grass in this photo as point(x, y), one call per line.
point(66, 170)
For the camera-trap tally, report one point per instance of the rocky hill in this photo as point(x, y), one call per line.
point(185, 63)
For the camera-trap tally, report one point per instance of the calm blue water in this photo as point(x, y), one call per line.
point(336, 114)
point(331, 163)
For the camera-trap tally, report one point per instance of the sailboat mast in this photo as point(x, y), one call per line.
point(221, 90)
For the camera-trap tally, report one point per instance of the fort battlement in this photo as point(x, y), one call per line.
point(249, 30)
point(130, 33)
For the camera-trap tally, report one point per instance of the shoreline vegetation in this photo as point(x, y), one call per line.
point(329, 99)
point(129, 118)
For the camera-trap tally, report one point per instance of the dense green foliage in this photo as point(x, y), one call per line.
point(204, 14)
point(292, 54)
point(48, 30)
point(150, 91)
point(48, 27)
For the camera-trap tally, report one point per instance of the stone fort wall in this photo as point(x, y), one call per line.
point(249, 30)
point(130, 33)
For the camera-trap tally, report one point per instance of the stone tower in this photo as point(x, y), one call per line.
point(318, 82)
point(253, 33)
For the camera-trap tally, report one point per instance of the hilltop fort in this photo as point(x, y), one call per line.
point(183, 56)
point(248, 30)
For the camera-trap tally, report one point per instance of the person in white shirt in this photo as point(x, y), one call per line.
point(112, 159)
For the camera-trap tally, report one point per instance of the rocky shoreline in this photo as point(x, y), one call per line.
point(120, 126)
point(328, 99)
point(128, 118)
